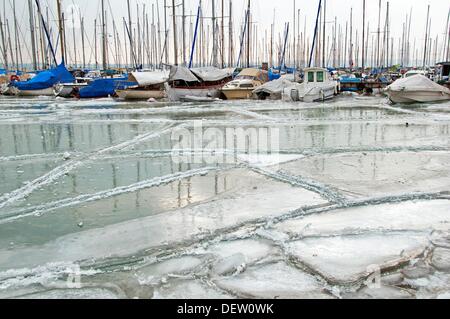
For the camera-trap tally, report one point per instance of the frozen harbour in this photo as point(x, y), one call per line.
point(95, 203)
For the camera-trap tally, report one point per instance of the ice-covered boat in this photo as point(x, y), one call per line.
point(198, 82)
point(43, 82)
point(243, 85)
point(317, 86)
point(416, 89)
point(149, 85)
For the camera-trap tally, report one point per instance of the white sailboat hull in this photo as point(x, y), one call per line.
point(140, 94)
point(43, 92)
point(177, 94)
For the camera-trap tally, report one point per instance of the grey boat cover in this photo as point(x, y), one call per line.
point(207, 74)
point(211, 74)
point(417, 83)
point(275, 86)
point(149, 78)
point(181, 73)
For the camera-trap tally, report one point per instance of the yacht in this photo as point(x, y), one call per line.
point(244, 84)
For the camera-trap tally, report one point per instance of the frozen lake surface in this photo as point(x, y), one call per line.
point(96, 200)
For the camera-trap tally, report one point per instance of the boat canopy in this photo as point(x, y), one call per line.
point(255, 73)
point(46, 79)
point(417, 83)
point(206, 74)
point(275, 86)
point(181, 73)
point(148, 78)
point(105, 87)
point(211, 74)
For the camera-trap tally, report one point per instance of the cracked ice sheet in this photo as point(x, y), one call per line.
point(272, 281)
point(188, 289)
point(377, 174)
point(347, 259)
point(254, 198)
point(413, 216)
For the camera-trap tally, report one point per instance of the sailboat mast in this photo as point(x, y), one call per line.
point(426, 39)
point(4, 46)
point(363, 36)
point(184, 31)
point(130, 31)
point(324, 32)
point(103, 36)
point(61, 30)
point(32, 34)
point(223, 35)
point(248, 34)
point(214, 33)
point(174, 26)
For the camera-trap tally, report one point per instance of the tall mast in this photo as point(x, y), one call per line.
point(184, 31)
point(447, 38)
point(426, 39)
point(61, 31)
point(174, 26)
point(130, 31)
point(294, 51)
point(378, 33)
point(214, 33)
point(95, 44)
point(230, 36)
point(248, 33)
point(324, 33)
point(82, 42)
point(33, 39)
point(4, 46)
point(223, 35)
point(103, 36)
point(363, 36)
point(350, 49)
point(74, 38)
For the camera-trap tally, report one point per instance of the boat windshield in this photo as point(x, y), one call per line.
point(310, 76)
point(320, 77)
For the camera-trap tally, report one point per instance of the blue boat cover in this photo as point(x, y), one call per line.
point(105, 87)
point(46, 79)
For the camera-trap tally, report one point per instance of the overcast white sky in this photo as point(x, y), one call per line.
point(263, 11)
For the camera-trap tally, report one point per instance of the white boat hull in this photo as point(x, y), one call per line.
point(44, 92)
point(310, 94)
point(177, 94)
point(140, 94)
point(417, 96)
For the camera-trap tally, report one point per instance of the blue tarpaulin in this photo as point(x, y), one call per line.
point(46, 79)
point(104, 87)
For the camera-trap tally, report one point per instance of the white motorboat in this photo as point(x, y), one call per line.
point(416, 89)
point(245, 83)
point(317, 86)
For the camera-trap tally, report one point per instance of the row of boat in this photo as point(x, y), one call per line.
point(205, 84)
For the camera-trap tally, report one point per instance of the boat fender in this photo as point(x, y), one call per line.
point(14, 78)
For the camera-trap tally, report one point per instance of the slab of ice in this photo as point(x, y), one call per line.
point(274, 281)
point(188, 289)
point(378, 173)
point(419, 215)
point(252, 250)
point(255, 199)
point(348, 259)
point(82, 293)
